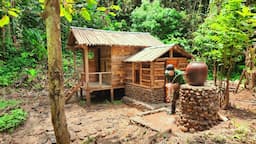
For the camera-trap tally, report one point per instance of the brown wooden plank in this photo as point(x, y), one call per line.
point(152, 74)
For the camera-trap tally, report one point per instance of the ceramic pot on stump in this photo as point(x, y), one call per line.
point(196, 73)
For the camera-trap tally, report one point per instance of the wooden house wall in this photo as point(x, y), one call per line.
point(118, 54)
point(145, 74)
point(178, 62)
point(93, 65)
point(158, 74)
point(128, 72)
point(105, 63)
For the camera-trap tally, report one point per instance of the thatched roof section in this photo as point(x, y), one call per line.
point(152, 53)
point(93, 37)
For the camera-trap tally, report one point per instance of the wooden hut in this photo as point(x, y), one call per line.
point(103, 53)
point(145, 78)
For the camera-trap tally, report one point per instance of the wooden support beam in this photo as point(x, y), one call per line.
point(86, 71)
point(86, 66)
point(74, 60)
point(88, 97)
point(171, 53)
point(100, 79)
point(112, 95)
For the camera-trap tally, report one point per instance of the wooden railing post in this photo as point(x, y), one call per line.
point(100, 79)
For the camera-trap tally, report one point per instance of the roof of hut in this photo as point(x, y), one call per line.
point(92, 37)
point(152, 53)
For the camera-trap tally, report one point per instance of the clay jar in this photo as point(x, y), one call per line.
point(196, 73)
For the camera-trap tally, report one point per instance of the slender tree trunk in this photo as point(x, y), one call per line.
point(226, 94)
point(215, 73)
point(55, 72)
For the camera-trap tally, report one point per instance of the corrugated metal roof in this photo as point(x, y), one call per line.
point(152, 53)
point(91, 37)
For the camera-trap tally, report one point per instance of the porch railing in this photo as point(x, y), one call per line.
point(99, 82)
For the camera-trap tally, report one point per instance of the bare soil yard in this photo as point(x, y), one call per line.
point(110, 123)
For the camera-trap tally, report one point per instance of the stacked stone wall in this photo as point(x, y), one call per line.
point(199, 106)
point(145, 94)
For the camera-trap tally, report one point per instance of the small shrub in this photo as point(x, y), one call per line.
point(11, 120)
point(13, 117)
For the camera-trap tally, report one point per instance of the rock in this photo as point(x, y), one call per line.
point(184, 129)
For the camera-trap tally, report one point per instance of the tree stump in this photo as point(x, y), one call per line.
point(199, 106)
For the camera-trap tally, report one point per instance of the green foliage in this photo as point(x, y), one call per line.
point(7, 11)
point(34, 42)
point(159, 21)
point(223, 36)
point(6, 103)
point(13, 119)
point(32, 73)
point(178, 40)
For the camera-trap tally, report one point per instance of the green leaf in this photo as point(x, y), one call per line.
point(103, 9)
point(67, 15)
point(4, 21)
point(91, 3)
point(12, 13)
point(112, 14)
point(32, 72)
point(85, 14)
point(16, 10)
point(115, 7)
point(62, 11)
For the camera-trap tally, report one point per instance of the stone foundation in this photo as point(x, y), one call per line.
point(145, 94)
point(198, 107)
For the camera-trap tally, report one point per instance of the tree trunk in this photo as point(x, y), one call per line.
point(215, 73)
point(250, 74)
point(55, 72)
point(226, 94)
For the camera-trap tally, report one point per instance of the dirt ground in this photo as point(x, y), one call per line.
point(109, 123)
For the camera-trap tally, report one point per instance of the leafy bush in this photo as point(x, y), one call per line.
point(13, 119)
